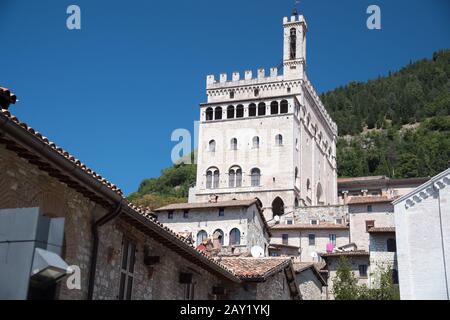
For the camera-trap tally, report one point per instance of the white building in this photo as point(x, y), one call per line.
point(422, 223)
point(268, 136)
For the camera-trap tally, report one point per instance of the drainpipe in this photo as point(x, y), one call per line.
point(100, 222)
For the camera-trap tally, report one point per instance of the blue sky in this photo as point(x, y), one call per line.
point(113, 92)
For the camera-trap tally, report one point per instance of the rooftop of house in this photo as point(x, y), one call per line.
point(299, 267)
point(208, 205)
point(38, 150)
point(308, 226)
point(356, 182)
point(381, 230)
point(357, 253)
point(369, 200)
point(249, 268)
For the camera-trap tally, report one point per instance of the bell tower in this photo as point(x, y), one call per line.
point(294, 49)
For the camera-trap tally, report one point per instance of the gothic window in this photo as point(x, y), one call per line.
point(283, 106)
point(261, 109)
point(255, 142)
point(274, 107)
point(212, 146)
point(278, 140)
point(201, 235)
point(319, 194)
point(252, 110)
point(218, 236)
point(230, 112)
point(212, 178)
point(218, 113)
point(255, 177)
point(297, 180)
point(235, 237)
point(233, 144)
point(235, 177)
point(277, 207)
point(293, 44)
point(240, 111)
point(209, 114)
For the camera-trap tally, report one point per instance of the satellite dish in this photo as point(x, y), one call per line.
point(277, 218)
point(314, 254)
point(257, 252)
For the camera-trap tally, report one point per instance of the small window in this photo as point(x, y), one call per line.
point(313, 221)
point(289, 221)
point(221, 212)
point(218, 113)
point(332, 238)
point(391, 245)
point(127, 269)
point(369, 208)
point(235, 237)
point(362, 270)
point(170, 214)
point(233, 144)
point(255, 142)
point(312, 239)
point(240, 111)
point(261, 109)
point(274, 107)
point(278, 140)
point(339, 221)
point(230, 112)
point(232, 94)
point(212, 146)
point(369, 224)
point(252, 110)
point(284, 106)
point(288, 90)
point(201, 235)
point(285, 238)
point(209, 114)
point(256, 92)
point(186, 214)
point(255, 177)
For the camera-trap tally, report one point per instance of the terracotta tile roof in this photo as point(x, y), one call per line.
point(315, 267)
point(207, 205)
point(280, 245)
point(371, 178)
point(344, 253)
point(370, 199)
point(142, 217)
point(382, 230)
point(307, 226)
point(249, 268)
point(60, 151)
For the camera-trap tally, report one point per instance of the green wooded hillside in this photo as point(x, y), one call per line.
point(397, 125)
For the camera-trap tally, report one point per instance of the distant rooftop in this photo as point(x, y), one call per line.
point(207, 205)
point(308, 226)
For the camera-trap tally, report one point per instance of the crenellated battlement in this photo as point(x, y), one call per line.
point(249, 79)
point(294, 20)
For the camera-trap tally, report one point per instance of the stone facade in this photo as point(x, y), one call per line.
point(382, 257)
point(271, 131)
point(252, 230)
point(311, 288)
point(422, 224)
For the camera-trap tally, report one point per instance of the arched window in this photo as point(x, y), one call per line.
point(231, 178)
point(292, 44)
point(308, 185)
point(277, 207)
point(252, 110)
point(261, 109)
point(201, 235)
point(232, 94)
point(218, 236)
point(391, 245)
point(319, 194)
point(235, 177)
point(255, 142)
point(230, 112)
point(284, 106)
point(297, 180)
point(218, 113)
point(240, 111)
point(255, 177)
point(296, 203)
point(233, 144)
point(212, 146)
point(235, 237)
point(278, 140)
point(209, 114)
point(274, 107)
point(212, 178)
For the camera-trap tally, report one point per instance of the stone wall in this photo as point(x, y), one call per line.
point(321, 213)
point(309, 285)
point(24, 185)
point(274, 288)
